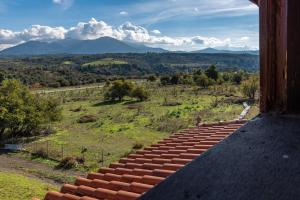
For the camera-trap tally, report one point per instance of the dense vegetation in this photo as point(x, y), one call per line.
point(101, 125)
point(56, 71)
point(22, 113)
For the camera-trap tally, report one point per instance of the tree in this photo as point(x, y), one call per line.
point(152, 78)
point(237, 78)
point(175, 79)
point(202, 81)
point(226, 76)
point(250, 87)
point(140, 93)
point(119, 90)
point(212, 73)
point(21, 112)
point(2, 77)
point(165, 80)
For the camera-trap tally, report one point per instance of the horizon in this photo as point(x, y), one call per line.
point(174, 25)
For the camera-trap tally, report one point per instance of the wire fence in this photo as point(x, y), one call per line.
point(58, 152)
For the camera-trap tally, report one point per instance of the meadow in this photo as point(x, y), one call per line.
point(15, 187)
point(105, 62)
point(115, 129)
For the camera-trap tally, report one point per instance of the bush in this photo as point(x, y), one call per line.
point(202, 80)
point(138, 146)
point(250, 87)
point(119, 90)
point(165, 80)
point(237, 78)
point(172, 103)
point(151, 78)
point(87, 119)
point(22, 113)
point(41, 153)
point(140, 93)
point(212, 73)
point(68, 163)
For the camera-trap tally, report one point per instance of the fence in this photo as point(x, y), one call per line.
point(48, 149)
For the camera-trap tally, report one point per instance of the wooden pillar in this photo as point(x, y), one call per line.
point(293, 56)
point(273, 59)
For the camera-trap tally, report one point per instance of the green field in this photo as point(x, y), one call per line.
point(123, 127)
point(105, 62)
point(18, 187)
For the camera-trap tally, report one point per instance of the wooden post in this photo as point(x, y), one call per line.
point(273, 51)
point(293, 56)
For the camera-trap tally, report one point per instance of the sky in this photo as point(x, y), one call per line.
point(175, 25)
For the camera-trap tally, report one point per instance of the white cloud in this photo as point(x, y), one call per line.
point(128, 31)
point(156, 32)
point(158, 10)
point(123, 13)
point(65, 4)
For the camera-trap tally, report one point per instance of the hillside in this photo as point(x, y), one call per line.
point(217, 51)
point(56, 71)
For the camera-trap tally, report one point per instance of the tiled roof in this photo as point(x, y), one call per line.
point(132, 176)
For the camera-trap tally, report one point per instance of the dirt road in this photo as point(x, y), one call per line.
point(44, 172)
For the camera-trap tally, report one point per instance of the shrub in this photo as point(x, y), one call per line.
point(165, 80)
point(212, 73)
point(237, 78)
point(22, 113)
point(68, 163)
point(250, 87)
point(138, 146)
point(119, 90)
point(79, 109)
point(202, 81)
point(87, 119)
point(152, 78)
point(172, 103)
point(41, 153)
point(140, 93)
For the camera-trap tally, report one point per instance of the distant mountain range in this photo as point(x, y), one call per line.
point(214, 51)
point(98, 46)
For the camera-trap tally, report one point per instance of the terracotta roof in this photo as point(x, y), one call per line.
point(132, 176)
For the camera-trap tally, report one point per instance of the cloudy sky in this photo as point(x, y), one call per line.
point(171, 24)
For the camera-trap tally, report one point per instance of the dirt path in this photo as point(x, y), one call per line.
point(15, 164)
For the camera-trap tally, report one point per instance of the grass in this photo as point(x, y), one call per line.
point(16, 187)
point(105, 62)
point(121, 126)
point(67, 63)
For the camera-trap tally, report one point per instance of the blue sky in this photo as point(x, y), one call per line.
point(171, 24)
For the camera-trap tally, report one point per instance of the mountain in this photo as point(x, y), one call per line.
point(69, 46)
point(214, 51)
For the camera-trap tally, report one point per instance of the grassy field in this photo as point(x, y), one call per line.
point(105, 61)
point(18, 187)
point(123, 127)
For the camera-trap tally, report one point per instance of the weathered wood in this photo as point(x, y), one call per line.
point(293, 55)
point(273, 48)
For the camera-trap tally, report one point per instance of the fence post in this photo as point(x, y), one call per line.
point(102, 156)
point(35, 147)
point(47, 146)
point(62, 152)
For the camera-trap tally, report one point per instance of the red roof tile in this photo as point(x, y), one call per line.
point(139, 172)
